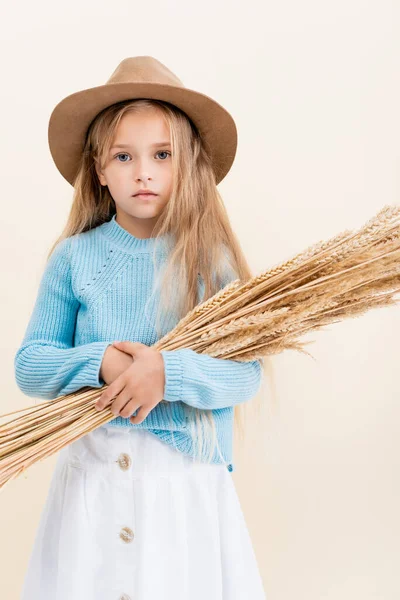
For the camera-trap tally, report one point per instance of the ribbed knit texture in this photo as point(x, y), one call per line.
point(92, 292)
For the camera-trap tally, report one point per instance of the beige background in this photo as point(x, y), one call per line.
point(314, 88)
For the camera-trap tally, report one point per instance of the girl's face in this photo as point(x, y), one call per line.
point(140, 157)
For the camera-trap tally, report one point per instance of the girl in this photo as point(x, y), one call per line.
point(143, 507)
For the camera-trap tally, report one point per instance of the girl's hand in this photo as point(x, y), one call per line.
point(140, 386)
point(114, 363)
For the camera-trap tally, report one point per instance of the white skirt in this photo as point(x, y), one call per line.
point(128, 517)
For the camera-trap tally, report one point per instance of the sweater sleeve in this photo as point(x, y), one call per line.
point(47, 365)
point(206, 382)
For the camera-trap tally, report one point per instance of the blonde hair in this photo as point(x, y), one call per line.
point(194, 217)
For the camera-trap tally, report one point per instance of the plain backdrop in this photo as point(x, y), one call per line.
point(314, 89)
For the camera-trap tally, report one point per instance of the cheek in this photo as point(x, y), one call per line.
point(120, 178)
point(168, 180)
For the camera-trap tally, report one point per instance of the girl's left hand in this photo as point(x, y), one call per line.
point(140, 386)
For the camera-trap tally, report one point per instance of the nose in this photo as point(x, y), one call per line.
point(141, 172)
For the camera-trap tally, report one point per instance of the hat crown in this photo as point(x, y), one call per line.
point(143, 69)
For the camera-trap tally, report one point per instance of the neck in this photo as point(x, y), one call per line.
point(139, 228)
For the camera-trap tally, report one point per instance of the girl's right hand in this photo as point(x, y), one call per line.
point(114, 363)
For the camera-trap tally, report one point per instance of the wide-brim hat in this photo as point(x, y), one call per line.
point(139, 77)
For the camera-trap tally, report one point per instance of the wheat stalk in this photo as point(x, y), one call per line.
point(332, 280)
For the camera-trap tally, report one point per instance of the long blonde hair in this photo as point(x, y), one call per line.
point(194, 217)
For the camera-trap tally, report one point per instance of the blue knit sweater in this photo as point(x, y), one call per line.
point(92, 292)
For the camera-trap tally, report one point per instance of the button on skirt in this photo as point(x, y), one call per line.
point(128, 517)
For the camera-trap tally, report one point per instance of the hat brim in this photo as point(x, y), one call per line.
point(72, 116)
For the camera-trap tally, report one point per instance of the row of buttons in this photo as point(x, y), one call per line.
point(126, 534)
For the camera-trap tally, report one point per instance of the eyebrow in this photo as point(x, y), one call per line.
point(156, 145)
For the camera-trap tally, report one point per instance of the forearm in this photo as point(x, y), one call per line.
point(46, 370)
point(206, 382)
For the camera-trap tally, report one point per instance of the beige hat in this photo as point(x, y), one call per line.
point(139, 77)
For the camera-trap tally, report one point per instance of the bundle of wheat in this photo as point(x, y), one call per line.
point(328, 282)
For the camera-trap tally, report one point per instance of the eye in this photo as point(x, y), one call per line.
point(121, 154)
point(164, 152)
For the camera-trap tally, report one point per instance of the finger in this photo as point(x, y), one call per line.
point(128, 347)
point(103, 402)
point(123, 398)
point(141, 415)
point(130, 408)
point(110, 393)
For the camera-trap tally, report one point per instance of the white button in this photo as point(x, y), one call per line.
point(126, 534)
point(124, 597)
point(124, 461)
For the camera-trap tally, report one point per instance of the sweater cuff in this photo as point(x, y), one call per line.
point(173, 369)
point(95, 353)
